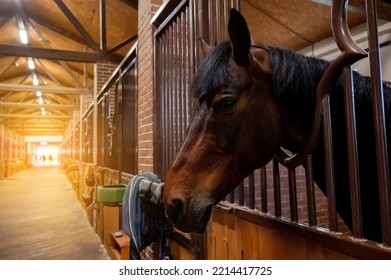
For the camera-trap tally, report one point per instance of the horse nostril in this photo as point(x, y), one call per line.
point(177, 209)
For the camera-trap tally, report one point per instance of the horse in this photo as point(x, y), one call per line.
point(248, 102)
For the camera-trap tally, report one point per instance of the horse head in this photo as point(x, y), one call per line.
point(235, 129)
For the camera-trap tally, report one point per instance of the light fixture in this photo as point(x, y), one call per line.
point(35, 80)
point(43, 113)
point(40, 100)
point(30, 63)
point(23, 36)
point(39, 93)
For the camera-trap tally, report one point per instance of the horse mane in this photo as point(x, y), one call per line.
point(294, 81)
point(213, 73)
point(296, 78)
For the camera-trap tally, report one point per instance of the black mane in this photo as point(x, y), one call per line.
point(213, 73)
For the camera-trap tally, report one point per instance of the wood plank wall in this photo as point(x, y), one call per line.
point(229, 237)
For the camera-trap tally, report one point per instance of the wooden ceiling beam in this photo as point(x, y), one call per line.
point(9, 50)
point(122, 44)
point(28, 88)
point(55, 28)
point(30, 116)
point(37, 106)
point(79, 27)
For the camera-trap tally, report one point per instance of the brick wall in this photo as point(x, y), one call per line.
point(103, 71)
point(146, 10)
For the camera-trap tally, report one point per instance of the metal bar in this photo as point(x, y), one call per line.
point(310, 192)
point(251, 193)
point(329, 159)
point(351, 137)
point(218, 22)
point(241, 194)
point(380, 122)
point(263, 183)
point(293, 195)
point(211, 14)
point(277, 188)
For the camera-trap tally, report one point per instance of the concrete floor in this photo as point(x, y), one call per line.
point(41, 219)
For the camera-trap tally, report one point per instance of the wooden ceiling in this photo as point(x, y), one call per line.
point(65, 38)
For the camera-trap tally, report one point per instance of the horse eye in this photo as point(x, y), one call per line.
point(226, 104)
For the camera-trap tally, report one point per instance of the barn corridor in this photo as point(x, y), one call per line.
point(41, 218)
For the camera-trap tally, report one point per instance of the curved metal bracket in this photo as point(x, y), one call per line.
point(350, 53)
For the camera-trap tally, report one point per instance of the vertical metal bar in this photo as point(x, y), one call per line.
point(203, 19)
point(352, 152)
point(263, 182)
point(380, 122)
point(310, 191)
point(175, 91)
point(277, 188)
point(169, 94)
point(251, 191)
point(165, 94)
point(241, 194)
point(224, 28)
point(182, 71)
point(218, 22)
point(211, 11)
point(293, 195)
point(329, 159)
point(119, 106)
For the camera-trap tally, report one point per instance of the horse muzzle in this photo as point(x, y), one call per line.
point(186, 218)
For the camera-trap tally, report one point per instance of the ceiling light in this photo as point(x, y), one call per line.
point(42, 109)
point(35, 80)
point(43, 113)
point(23, 36)
point(39, 93)
point(40, 100)
point(30, 63)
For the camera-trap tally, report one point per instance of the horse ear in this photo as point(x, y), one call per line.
point(205, 47)
point(240, 37)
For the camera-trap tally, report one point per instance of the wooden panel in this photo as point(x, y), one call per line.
point(229, 237)
point(180, 253)
point(110, 222)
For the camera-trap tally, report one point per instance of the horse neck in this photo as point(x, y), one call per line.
point(294, 82)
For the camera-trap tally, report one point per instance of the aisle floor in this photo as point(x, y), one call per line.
point(41, 219)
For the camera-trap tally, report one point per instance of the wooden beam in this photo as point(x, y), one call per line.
point(62, 63)
point(122, 44)
point(28, 88)
point(55, 28)
point(37, 106)
point(24, 51)
point(30, 116)
point(79, 27)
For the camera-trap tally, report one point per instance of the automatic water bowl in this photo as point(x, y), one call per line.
point(111, 195)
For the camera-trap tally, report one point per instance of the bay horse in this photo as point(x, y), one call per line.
point(248, 102)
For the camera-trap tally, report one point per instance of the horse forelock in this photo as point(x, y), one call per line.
point(213, 73)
